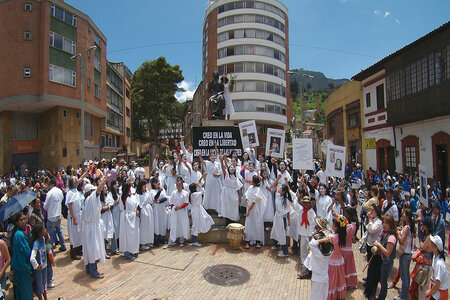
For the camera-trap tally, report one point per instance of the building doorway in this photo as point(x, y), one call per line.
point(442, 163)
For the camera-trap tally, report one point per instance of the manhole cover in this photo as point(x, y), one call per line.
point(226, 275)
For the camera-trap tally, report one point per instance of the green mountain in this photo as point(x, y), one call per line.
point(314, 81)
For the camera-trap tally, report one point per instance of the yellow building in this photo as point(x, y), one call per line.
point(343, 120)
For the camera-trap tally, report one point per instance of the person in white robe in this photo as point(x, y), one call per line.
point(317, 263)
point(160, 212)
point(213, 185)
point(307, 223)
point(248, 180)
point(282, 218)
point(189, 152)
point(285, 176)
point(196, 175)
point(323, 203)
point(337, 205)
point(115, 195)
point(107, 218)
point(230, 196)
point(254, 224)
point(129, 223)
point(293, 230)
point(184, 169)
point(146, 219)
point(267, 189)
point(92, 232)
point(201, 220)
point(170, 175)
point(74, 201)
point(179, 220)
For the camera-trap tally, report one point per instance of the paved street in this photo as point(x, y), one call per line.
point(177, 274)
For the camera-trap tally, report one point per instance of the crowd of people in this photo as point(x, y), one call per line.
point(112, 207)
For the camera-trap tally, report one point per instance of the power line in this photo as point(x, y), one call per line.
point(154, 45)
point(333, 50)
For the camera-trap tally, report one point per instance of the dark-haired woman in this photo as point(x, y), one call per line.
point(213, 185)
point(201, 220)
point(74, 200)
point(282, 218)
point(336, 269)
point(386, 247)
point(230, 196)
point(179, 221)
point(160, 202)
point(114, 197)
point(351, 276)
point(374, 228)
point(20, 262)
point(254, 223)
point(146, 224)
point(129, 223)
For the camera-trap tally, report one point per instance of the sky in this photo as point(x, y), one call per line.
point(337, 37)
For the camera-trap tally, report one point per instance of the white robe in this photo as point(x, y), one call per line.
point(247, 176)
point(116, 214)
point(201, 220)
point(75, 231)
point(184, 172)
point(254, 224)
point(278, 232)
point(107, 218)
point(169, 179)
point(322, 206)
point(213, 186)
point(195, 176)
point(146, 225)
point(269, 212)
point(284, 176)
point(229, 108)
point(294, 229)
point(229, 199)
point(93, 243)
point(317, 263)
point(179, 220)
point(129, 225)
point(160, 212)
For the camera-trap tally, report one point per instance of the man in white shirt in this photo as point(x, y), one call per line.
point(322, 175)
point(389, 207)
point(52, 205)
point(139, 172)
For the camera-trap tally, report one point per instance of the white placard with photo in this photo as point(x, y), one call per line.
point(423, 185)
point(302, 154)
point(275, 142)
point(335, 161)
point(249, 134)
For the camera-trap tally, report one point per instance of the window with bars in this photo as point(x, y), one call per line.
point(410, 158)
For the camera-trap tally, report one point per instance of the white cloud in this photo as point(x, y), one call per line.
point(397, 21)
point(189, 90)
point(376, 11)
point(387, 14)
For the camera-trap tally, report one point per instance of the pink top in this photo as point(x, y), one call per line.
point(351, 229)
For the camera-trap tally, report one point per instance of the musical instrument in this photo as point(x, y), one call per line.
point(235, 234)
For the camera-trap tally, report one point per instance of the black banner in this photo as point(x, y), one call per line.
point(227, 138)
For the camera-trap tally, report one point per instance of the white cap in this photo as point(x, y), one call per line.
point(413, 192)
point(89, 187)
point(437, 241)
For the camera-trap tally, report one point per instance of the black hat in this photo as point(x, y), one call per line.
point(326, 248)
point(426, 221)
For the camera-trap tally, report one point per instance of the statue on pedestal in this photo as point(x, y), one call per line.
point(216, 99)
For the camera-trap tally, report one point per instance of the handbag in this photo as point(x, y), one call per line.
point(421, 271)
point(363, 243)
point(422, 275)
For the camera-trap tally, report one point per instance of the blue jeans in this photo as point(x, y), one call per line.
point(404, 262)
point(91, 269)
point(54, 228)
point(385, 269)
point(194, 239)
point(114, 246)
point(49, 273)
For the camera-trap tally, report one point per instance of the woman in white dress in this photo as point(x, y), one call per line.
point(254, 224)
point(160, 214)
point(248, 180)
point(201, 220)
point(213, 185)
point(282, 218)
point(229, 108)
point(170, 174)
point(114, 194)
point(74, 200)
point(230, 196)
point(184, 169)
point(179, 221)
point(196, 175)
point(129, 223)
point(267, 188)
point(293, 230)
point(107, 217)
point(146, 224)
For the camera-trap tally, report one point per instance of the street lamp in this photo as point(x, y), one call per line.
point(82, 75)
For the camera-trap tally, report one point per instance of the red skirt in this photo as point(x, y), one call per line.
point(337, 283)
point(351, 276)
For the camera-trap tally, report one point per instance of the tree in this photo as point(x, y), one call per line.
point(308, 87)
point(331, 86)
point(294, 88)
point(154, 85)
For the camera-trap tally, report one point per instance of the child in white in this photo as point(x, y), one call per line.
point(267, 189)
point(146, 224)
point(248, 177)
point(230, 196)
point(201, 220)
point(213, 184)
point(317, 263)
point(282, 218)
point(256, 204)
point(160, 203)
point(179, 221)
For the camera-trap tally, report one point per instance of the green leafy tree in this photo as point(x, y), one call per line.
point(154, 85)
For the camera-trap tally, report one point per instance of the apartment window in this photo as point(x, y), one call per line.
point(62, 43)
point(27, 72)
point(28, 6)
point(27, 35)
point(64, 152)
point(62, 75)
point(63, 15)
point(97, 90)
point(97, 39)
point(24, 126)
point(353, 120)
point(97, 63)
point(128, 132)
point(410, 159)
point(380, 96)
point(368, 100)
point(128, 112)
point(64, 113)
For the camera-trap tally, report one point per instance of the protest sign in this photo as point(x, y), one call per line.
point(302, 154)
point(227, 139)
point(275, 142)
point(335, 161)
point(249, 134)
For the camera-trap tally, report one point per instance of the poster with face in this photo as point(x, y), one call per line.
point(423, 185)
point(335, 161)
point(302, 154)
point(275, 142)
point(249, 135)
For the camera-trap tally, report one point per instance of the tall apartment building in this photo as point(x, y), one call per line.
point(40, 96)
point(250, 39)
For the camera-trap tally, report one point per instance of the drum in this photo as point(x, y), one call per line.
point(235, 234)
